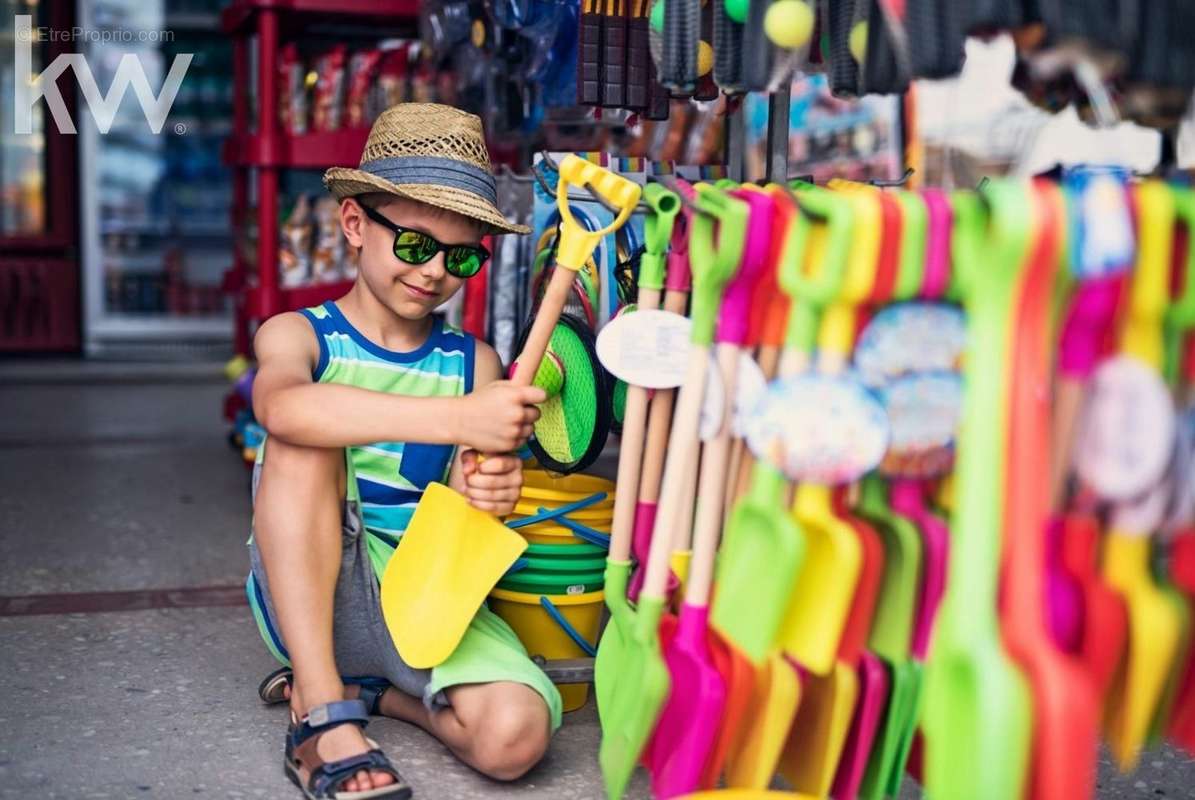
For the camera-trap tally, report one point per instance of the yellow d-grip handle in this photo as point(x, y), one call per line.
point(1150, 292)
point(577, 244)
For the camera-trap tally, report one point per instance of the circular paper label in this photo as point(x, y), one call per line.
point(910, 337)
point(1126, 430)
point(923, 413)
point(748, 390)
point(1142, 516)
point(646, 348)
point(1182, 474)
point(713, 403)
point(819, 428)
point(749, 387)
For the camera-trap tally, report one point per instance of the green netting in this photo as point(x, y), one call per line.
point(567, 422)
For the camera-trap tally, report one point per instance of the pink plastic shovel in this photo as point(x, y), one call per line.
point(908, 499)
point(873, 697)
point(693, 717)
point(677, 284)
point(1091, 313)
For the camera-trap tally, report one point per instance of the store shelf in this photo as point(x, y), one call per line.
point(300, 297)
point(340, 148)
point(120, 325)
point(240, 14)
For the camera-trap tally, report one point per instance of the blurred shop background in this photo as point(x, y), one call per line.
point(131, 244)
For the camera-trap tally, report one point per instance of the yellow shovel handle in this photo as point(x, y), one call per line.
point(576, 243)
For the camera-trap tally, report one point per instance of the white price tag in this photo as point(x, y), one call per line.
point(1126, 432)
point(825, 429)
point(646, 348)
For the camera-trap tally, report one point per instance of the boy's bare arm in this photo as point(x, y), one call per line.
point(494, 484)
point(290, 406)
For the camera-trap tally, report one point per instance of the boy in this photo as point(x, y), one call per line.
point(366, 401)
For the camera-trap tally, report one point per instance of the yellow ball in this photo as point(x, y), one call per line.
point(858, 42)
point(705, 59)
point(788, 23)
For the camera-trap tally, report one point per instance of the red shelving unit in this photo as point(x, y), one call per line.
point(260, 149)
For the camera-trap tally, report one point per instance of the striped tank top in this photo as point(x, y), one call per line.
point(391, 476)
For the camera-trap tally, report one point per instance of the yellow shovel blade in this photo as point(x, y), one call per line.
point(819, 731)
point(752, 760)
point(447, 561)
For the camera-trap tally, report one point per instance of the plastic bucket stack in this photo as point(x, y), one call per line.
point(553, 596)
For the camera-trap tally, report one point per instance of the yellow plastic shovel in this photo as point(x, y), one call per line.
point(1155, 627)
point(821, 604)
point(451, 555)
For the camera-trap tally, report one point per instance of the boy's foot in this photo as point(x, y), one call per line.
point(347, 741)
point(390, 703)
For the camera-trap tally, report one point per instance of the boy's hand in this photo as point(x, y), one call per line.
point(494, 483)
point(497, 418)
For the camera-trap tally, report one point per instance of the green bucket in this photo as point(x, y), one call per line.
point(562, 565)
point(581, 551)
point(533, 582)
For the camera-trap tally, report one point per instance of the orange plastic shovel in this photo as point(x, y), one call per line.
point(1066, 707)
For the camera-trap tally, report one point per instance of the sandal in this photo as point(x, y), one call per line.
point(272, 690)
point(324, 778)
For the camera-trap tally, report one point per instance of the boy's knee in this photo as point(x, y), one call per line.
point(511, 740)
point(293, 458)
point(303, 470)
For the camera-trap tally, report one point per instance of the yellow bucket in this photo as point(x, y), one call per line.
point(542, 636)
point(542, 486)
point(586, 516)
point(551, 533)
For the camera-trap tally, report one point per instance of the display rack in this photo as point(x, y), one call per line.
point(259, 149)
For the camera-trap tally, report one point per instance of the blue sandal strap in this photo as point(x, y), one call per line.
point(371, 696)
point(327, 779)
point(329, 715)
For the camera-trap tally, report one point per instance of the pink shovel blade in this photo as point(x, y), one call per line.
point(873, 696)
point(1064, 595)
point(908, 499)
point(645, 523)
point(685, 734)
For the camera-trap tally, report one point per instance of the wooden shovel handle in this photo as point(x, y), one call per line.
point(743, 461)
point(1068, 399)
point(711, 489)
point(681, 452)
point(550, 309)
point(630, 455)
point(659, 421)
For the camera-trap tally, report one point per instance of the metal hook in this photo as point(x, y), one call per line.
point(901, 181)
point(505, 171)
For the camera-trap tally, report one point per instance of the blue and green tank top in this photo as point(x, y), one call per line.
point(388, 478)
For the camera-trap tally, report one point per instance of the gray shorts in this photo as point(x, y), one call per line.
point(489, 650)
point(361, 641)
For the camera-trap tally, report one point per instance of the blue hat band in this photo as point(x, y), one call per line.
point(436, 171)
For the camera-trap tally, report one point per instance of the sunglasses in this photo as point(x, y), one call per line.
point(416, 247)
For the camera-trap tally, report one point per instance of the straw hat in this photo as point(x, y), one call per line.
point(431, 153)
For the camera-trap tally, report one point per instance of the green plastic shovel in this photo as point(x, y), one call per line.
point(762, 547)
point(657, 230)
point(892, 630)
point(977, 711)
point(635, 678)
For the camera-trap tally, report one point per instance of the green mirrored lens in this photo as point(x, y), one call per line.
point(414, 247)
point(464, 262)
